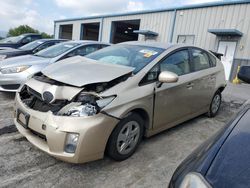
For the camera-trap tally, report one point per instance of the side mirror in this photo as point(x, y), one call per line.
point(244, 74)
point(168, 77)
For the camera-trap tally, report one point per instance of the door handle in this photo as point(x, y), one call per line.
point(190, 85)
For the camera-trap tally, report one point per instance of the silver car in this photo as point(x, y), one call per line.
point(83, 107)
point(15, 71)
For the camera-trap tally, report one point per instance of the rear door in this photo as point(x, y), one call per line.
point(204, 79)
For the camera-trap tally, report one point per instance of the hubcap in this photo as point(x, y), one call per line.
point(128, 137)
point(216, 103)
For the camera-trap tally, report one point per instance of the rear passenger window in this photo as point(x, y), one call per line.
point(177, 63)
point(200, 60)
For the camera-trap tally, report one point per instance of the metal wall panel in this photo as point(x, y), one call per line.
point(198, 21)
point(157, 22)
point(195, 21)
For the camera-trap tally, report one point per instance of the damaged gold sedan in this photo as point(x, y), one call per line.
point(82, 107)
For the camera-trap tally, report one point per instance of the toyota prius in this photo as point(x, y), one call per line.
point(106, 102)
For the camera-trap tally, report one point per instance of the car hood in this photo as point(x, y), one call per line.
point(7, 45)
point(79, 71)
point(9, 51)
point(23, 60)
point(6, 48)
point(231, 166)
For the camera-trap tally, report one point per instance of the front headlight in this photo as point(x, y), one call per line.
point(2, 57)
point(12, 70)
point(86, 105)
point(82, 110)
point(194, 180)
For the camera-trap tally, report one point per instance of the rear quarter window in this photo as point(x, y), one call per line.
point(213, 60)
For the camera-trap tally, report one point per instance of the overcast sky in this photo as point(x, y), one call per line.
point(40, 14)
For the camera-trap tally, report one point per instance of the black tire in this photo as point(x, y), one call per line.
point(112, 148)
point(212, 113)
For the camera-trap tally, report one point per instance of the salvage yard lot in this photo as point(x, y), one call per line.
point(151, 166)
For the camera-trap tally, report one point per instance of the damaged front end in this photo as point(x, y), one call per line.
point(87, 102)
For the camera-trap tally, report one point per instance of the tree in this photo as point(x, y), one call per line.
point(22, 29)
point(45, 35)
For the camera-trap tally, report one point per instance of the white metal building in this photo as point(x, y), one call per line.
point(222, 26)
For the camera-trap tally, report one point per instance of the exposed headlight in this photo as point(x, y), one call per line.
point(82, 110)
point(194, 180)
point(87, 107)
point(71, 142)
point(2, 57)
point(12, 70)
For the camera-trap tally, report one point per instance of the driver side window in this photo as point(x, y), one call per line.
point(177, 63)
point(26, 40)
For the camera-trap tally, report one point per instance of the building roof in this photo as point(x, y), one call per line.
point(202, 5)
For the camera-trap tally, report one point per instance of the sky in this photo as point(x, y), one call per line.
point(40, 14)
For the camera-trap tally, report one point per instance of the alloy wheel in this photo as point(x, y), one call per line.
point(128, 137)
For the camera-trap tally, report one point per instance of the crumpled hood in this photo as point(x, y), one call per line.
point(23, 60)
point(79, 71)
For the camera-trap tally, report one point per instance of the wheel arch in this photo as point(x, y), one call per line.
point(221, 88)
point(144, 114)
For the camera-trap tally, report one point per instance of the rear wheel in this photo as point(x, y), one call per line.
point(126, 137)
point(215, 104)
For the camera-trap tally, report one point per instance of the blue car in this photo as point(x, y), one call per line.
point(222, 161)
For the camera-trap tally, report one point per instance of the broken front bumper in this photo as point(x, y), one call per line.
point(48, 132)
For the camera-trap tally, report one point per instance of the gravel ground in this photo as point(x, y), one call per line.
point(152, 165)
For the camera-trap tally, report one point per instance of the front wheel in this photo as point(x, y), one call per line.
point(126, 137)
point(215, 104)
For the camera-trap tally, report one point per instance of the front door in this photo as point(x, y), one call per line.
point(173, 100)
point(227, 48)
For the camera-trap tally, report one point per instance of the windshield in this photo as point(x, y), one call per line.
point(56, 50)
point(32, 45)
point(128, 55)
point(12, 39)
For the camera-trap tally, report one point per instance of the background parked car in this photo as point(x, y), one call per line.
point(16, 42)
point(30, 48)
point(222, 161)
point(244, 74)
point(110, 99)
point(15, 71)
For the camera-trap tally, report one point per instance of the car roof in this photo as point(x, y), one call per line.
point(30, 34)
point(88, 42)
point(153, 44)
point(46, 40)
point(156, 44)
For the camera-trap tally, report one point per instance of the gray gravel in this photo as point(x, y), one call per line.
point(22, 165)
